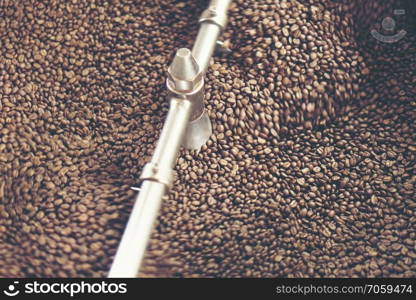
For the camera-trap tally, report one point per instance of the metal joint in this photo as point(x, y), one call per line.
point(212, 15)
point(185, 94)
point(186, 81)
point(152, 172)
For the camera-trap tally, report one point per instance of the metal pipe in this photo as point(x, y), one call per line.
point(170, 139)
point(221, 5)
point(133, 244)
point(213, 20)
point(187, 122)
point(205, 44)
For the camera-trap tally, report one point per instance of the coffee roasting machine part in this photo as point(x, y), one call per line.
point(187, 124)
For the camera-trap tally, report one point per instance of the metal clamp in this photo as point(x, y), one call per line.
point(212, 15)
point(153, 173)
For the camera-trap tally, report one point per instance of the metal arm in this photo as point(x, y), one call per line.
point(187, 124)
point(136, 235)
point(213, 20)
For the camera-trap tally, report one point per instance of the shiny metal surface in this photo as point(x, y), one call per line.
point(136, 236)
point(139, 227)
point(187, 124)
point(209, 31)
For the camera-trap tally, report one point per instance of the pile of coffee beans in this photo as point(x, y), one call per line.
point(82, 103)
point(268, 196)
point(310, 170)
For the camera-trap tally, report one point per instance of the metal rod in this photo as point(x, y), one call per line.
point(133, 244)
point(221, 5)
point(205, 44)
point(170, 139)
point(186, 85)
point(209, 31)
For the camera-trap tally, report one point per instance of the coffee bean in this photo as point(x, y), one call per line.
point(309, 171)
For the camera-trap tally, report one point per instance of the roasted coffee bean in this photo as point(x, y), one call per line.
point(310, 170)
point(321, 194)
